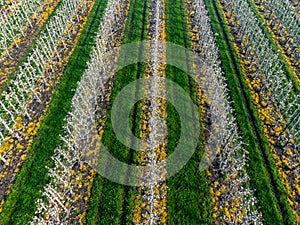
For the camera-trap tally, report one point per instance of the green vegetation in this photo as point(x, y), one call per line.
point(189, 200)
point(19, 207)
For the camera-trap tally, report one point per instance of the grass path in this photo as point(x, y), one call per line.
point(189, 200)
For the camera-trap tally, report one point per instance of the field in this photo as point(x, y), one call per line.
point(149, 112)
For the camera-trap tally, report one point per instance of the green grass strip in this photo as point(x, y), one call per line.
point(257, 169)
point(189, 201)
point(109, 198)
point(19, 207)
